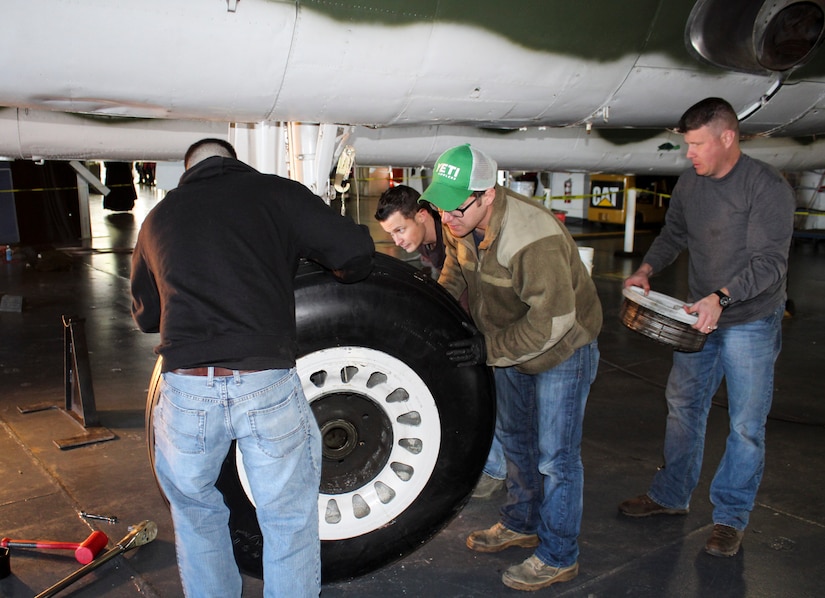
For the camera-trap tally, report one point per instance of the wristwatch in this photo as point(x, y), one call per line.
point(724, 300)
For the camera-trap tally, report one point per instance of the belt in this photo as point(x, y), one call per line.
point(204, 371)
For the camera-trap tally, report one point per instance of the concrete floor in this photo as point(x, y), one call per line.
point(45, 488)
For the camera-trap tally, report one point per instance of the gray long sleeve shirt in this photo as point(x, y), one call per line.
point(737, 230)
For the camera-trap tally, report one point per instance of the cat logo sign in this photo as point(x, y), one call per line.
point(608, 197)
point(607, 191)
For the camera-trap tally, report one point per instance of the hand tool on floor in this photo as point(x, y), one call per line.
point(106, 518)
point(85, 551)
point(140, 534)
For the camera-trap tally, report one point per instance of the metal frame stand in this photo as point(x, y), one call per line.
point(80, 396)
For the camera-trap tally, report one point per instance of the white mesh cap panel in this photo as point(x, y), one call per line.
point(484, 172)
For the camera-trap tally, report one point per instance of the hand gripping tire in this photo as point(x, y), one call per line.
point(405, 432)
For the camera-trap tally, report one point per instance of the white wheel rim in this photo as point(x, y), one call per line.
point(416, 436)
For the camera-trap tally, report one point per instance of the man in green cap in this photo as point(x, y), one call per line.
point(538, 315)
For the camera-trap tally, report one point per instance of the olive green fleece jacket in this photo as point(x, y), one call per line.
point(529, 292)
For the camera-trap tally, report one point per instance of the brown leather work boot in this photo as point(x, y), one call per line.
point(534, 574)
point(644, 506)
point(724, 541)
point(498, 537)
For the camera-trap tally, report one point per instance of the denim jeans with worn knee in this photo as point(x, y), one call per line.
point(195, 420)
point(744, 355)
point(540, 420)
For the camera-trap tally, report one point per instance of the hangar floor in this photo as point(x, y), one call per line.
point(44, 488)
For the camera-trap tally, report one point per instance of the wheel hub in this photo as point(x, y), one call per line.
point(356, 440)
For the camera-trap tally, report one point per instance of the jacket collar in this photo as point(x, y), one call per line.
point(497, 219)
point(212, 167)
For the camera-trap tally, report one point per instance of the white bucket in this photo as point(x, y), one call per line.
point(523, 187)
point(586, 255)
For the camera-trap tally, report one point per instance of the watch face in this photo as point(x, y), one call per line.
point(724, 300)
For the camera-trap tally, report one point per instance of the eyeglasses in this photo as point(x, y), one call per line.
point(459, 212)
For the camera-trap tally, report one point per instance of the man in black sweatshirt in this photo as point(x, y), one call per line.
point(212, 272)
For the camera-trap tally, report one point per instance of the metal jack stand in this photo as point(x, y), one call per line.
point(80, 397)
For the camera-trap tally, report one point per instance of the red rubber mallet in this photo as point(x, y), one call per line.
point(85, 551)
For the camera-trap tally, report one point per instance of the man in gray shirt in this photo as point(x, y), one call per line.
point(734, 215)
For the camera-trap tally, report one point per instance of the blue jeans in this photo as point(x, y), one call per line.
point(744, 355)
point(496, 465)
point(195, 420)
point(540, 420)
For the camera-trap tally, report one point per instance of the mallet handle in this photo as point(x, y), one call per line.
point(44, 544)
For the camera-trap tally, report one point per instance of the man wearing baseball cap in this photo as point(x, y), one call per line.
point(538, 315)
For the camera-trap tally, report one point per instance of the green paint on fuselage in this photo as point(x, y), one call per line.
point(600, 30)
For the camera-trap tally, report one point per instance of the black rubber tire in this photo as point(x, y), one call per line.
point(403, 315)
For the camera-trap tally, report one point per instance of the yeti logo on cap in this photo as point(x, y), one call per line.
point(448, 171)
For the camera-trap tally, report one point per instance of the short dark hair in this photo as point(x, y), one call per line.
point(707, 111)
point(400, 198)
point(206, 148)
